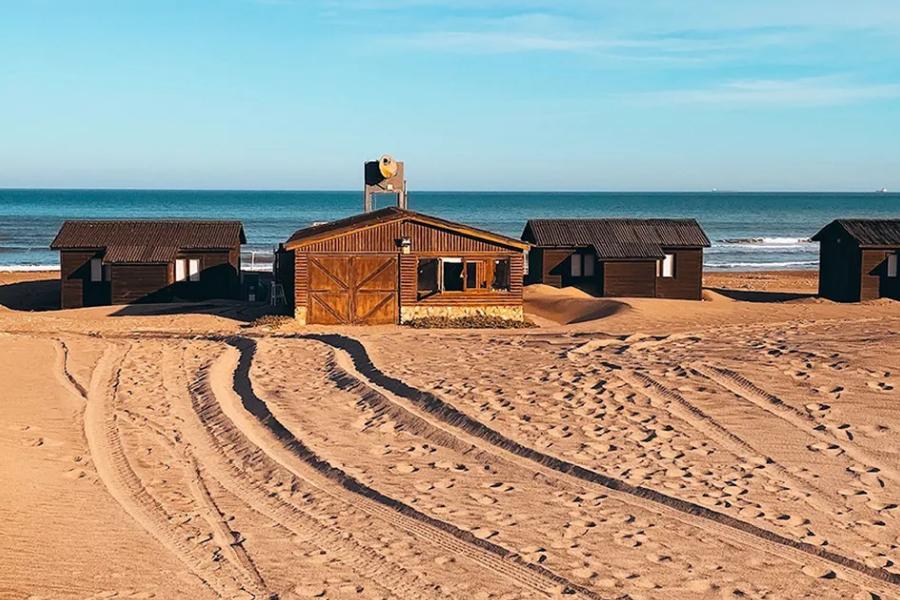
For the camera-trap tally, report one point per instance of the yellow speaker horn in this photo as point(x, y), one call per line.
point(387, 166)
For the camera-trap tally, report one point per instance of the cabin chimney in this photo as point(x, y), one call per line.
point(384, 176)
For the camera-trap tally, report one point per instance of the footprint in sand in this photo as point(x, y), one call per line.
point(403, 469)
point(483, 533)
point(880, 386)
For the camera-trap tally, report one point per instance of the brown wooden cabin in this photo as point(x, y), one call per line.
point(858, 259)
point(393, 265)
point(661, 258)
point(124, 262)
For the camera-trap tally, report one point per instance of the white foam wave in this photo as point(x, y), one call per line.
point(761, 265)
point(28, 268)
point(766, 241)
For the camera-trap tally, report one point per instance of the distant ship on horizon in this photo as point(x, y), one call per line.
point(883, 190)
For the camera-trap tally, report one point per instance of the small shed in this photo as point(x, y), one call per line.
point(660, 258)
point(858, 259)
point(393, 265)
point(123, 262)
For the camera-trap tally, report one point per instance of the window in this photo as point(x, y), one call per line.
point(187, 269)
point(501, 275)
point(892, 265)
point(453, 274)
point(180, 269)
point(96, 270)
point(588, 267)
point(576, 265)
point(582, 265)
point(666, 266)
point(427, 277)
point(194, 269)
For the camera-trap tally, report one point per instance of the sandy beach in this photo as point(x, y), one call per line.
point(744, 446)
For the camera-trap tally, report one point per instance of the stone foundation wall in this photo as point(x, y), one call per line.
point(512, 313)
point(300, 315)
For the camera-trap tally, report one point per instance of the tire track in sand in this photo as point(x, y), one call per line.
point(772, 404)
point(228, 457)
point(126, 487)
point(689, 512)
point(252, 413)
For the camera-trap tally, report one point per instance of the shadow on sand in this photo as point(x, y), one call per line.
point(31, 295)
point(759, 296)
point(244, 312)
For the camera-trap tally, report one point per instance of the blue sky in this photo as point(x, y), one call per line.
point(487, 94)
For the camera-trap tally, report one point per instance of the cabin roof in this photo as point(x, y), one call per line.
point(332, 229)
point(617, 238)
point(148, 241)
point(867, 232)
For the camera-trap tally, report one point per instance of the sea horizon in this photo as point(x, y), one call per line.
point(749, 230)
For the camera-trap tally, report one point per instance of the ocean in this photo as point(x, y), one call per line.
point(749, 231)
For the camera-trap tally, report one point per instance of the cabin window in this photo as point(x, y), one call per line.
point(452, 279)
point(892, 265)
point(582, 265)
point(96, 270)
point(576, 265)
point(181, 269)
point(194, 269)
point(427, 277)
point(187, 269)
point(501, 275)
point(666, 266)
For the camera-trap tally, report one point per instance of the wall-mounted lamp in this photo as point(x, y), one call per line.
point(405, 245)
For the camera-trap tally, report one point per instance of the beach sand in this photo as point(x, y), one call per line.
point(744, 446)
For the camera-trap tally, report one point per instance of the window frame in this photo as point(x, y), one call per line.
point(194, 275)
point(485, 268)
point(181, 262)
point(661, 266)
point(894, 258)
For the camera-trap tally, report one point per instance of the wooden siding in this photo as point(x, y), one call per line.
point(687, 284)
point(629, 278)
point(382, 238)
point(76, 288)
point(301, 278)
point(874, 280)
point(219, 276)
point(554, 268)
point(140, 283)
point(840, 274)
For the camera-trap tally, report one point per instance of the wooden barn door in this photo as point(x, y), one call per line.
point(353, 290)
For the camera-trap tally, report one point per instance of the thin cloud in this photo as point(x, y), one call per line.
point(804, 92)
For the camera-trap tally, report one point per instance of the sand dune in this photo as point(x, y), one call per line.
point(630, 448)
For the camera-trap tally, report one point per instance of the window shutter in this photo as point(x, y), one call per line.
point(588, 265)
point(179, 269)
point(892, 265)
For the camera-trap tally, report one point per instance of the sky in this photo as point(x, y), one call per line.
point(657, 95)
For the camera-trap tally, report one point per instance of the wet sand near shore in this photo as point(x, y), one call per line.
point(742, 446)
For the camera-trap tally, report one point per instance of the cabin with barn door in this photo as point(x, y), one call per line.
point(859, 259)
point(655, 258)
point(393, 265)
point(124, 262)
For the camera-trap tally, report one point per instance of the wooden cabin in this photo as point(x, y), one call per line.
point(655, 258)
point(858, 259)
point(123, 262)
point(393, 265)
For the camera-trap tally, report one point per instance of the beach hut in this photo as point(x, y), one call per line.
point(661, 258)
point(393, 265)
point(122, 262)
point(858, 259)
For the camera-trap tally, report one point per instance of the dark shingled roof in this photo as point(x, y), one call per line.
point(617, 238)
point(867, 232)
point(146, 241)
point(388, 214)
